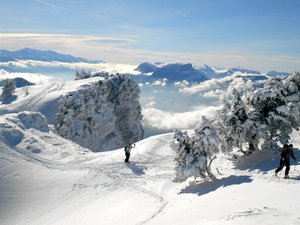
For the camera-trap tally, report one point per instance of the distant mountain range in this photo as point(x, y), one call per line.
point(39, 55)
point(148, 71)
point(180, 72)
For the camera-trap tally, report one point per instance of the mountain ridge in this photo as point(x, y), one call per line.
point(40, 55)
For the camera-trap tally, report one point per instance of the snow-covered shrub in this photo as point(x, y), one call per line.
point(8, 89)
point(194, 154)
point(103, 115)
point(15, 124)
point(34, 120)
point(12, 134)
point(84, 74)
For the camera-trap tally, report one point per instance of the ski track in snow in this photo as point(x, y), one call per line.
point(113, 172)
point(33, 100)
point(131, 183)
point(120, 174)
point(34, 158)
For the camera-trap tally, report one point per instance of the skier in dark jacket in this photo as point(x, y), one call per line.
point(287, 152)
point(127, 150)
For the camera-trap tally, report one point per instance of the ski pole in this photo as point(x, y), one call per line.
point(137, 152)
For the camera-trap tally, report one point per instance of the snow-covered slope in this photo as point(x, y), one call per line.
point(43, 97)
point(67, 184)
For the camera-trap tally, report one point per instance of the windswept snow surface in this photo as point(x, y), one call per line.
point(67, 184)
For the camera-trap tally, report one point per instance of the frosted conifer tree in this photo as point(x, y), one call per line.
point(182, 146)
point(277, 106)
point(234, 114)
point(193, 155)
point(82, 74)
point(206, 146)
point(269, 114)
point(292, 97)
point(8, 89)
point(238, 125)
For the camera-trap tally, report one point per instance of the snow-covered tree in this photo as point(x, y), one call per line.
point(292, 97)
point(26, 90)
point(261, 119)
point(268, 114)
point(232, 116)
point(79, 75)
point(278, 108)
point(82, 74)
point(8, 89)
point(206, 144)
point(103, 115)
point(182, 145)
point(193, 155)
point(237, 125)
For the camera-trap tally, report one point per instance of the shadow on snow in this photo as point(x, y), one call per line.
point(9, 100)
point(137, 170)
point(206, 187)
point(263, 161)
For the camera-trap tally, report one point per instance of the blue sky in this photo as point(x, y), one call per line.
point(258, 34)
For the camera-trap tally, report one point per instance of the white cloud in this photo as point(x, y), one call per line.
point(108, 67)
point(240, 84)
point(19, 64)
point(31, 77)
point(217, 87)
point(218, 94)
point(182, 83)
point(162, 82)
point(164, 120)
point(150, 104)
point(207, 85)
point(48, 4)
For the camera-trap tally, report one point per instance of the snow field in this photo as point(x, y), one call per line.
point(52, 187)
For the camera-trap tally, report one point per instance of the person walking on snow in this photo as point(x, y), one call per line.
point(127, 150)
point(286, 153)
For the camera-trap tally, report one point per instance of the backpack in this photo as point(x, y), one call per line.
point(285, 153)
point(127, 149)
